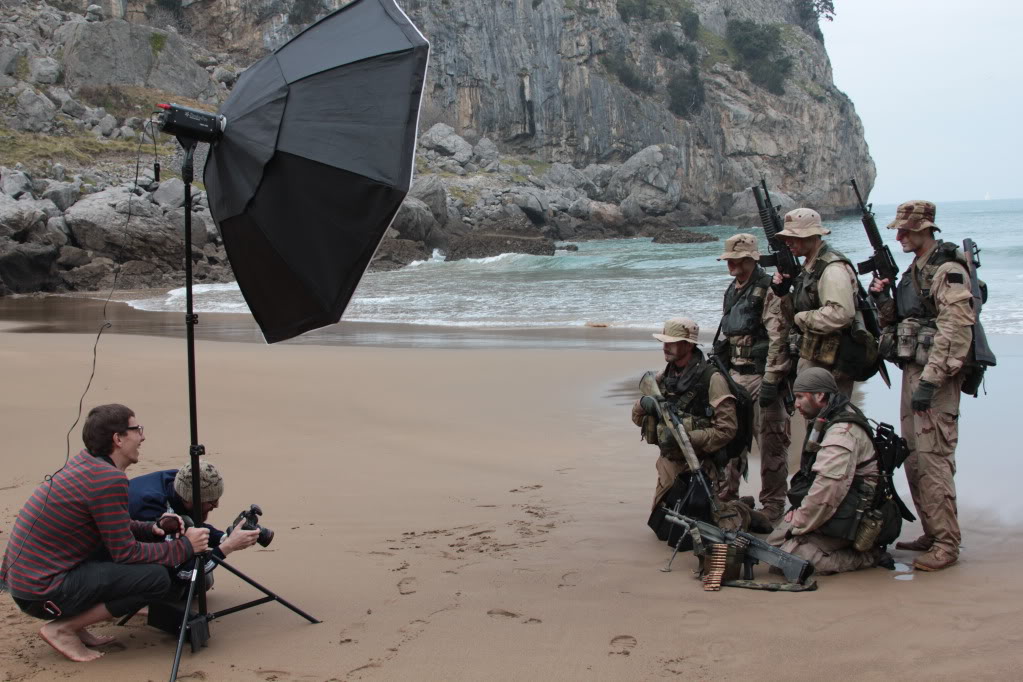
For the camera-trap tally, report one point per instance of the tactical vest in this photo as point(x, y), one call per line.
point(850, 352)
point(861, 496)
point(742, 323)
point(686, 393)
point(913, 293)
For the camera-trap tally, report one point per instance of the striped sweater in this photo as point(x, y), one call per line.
point(86, 511)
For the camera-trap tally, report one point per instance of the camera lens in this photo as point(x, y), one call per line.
point(266, 536)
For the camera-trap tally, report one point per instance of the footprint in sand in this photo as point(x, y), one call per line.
point(570, 579)
point(524, 488)
point(676, 666)
point(622, 645)
point(501, 613)
point(407, 585)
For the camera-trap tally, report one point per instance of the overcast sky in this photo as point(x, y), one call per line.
point(938, 85)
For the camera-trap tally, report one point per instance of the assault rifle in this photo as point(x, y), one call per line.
point(648, 387)
point(882, 264)
point(754, 550)
point(780, 256)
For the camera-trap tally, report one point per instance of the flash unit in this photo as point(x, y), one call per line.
point(187, 122)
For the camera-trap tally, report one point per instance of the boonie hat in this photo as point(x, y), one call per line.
point(211, 485)
point(679, 329)
point(915, 216)
point(742, 245)
point(803, 222)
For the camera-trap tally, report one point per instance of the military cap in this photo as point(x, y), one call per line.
point(803, 222)
point(679, 329)
point(742, 245)
point(915, 216)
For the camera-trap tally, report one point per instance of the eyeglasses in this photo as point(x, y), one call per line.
point(138, 428)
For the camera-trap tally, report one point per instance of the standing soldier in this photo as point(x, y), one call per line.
point(933, 317)
point(698, 393)
point(828, 330)
point(755, 326)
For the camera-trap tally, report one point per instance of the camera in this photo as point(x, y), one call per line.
point(185, 121)
point(251, 517)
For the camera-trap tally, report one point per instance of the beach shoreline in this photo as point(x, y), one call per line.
point(479, 513)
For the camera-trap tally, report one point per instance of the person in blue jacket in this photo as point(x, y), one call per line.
point(150, 496)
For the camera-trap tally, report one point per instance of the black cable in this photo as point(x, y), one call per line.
point(104, 326)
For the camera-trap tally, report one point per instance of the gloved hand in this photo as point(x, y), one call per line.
point(768, 394)
point(922, 396)
point(649, 405)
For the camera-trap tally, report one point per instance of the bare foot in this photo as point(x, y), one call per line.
point(67, 643)
point(89, 639)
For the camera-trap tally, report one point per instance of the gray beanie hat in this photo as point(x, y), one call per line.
point(815, 380)
point(211, 485)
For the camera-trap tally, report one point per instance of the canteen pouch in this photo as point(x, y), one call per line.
point(906, 340)
point(924, 341)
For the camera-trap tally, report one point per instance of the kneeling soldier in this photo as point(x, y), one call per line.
point(836, 480)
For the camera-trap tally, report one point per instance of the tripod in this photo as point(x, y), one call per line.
point(196, 626)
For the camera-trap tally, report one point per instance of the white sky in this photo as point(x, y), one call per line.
point(938, 85)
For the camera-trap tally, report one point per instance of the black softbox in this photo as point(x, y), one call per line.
point(316, 157)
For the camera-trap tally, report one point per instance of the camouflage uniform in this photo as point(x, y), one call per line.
point(932, 328)
point(846, 452)
point(757, 352)
point(823, 297)
point(708, 433)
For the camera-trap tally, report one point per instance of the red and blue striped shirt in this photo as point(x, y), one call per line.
point(86, 509)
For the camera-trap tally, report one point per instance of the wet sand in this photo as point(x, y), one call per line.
point(467, 513)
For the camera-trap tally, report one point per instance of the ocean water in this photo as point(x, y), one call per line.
point(631, 283)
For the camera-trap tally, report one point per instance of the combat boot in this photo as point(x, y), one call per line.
point(921, 544)
point(773, 513)
point(934, 560)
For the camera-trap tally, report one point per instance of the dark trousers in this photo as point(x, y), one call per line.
point(123, 588)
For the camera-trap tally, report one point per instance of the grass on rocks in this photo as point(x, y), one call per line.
point(36, 150)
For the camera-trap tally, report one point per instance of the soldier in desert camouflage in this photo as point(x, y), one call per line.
point(754, 330)
point(930, 327)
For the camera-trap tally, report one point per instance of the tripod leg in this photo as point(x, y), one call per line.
point(184, 621)
point(262, 589)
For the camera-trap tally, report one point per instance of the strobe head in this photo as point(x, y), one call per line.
point(191, 123)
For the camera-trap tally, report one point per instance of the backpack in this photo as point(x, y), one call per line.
point(981, 356)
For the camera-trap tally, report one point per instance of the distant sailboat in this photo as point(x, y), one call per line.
point(987, 196)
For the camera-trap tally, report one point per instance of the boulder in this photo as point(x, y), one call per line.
point(414, 220)
point(678, 235)
point(44, 70)
point(26, 268)
point(430, 190)
point(489, 244)
point(34, 111)
point(563, 175)
point(62, 194)
point(98, 223)
point(224, 75)
point(73, 257)
point(99, 274)
point(170, 193)
point(442, 139)
point(94, 13)
point(18, 219)
point(533, 203)
point(651, 178)
point(116, 52)
point(73, 108)
point(395, 254)
point(15, 183)
point(486, 152)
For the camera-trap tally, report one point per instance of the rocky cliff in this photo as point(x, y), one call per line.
point(542, 120)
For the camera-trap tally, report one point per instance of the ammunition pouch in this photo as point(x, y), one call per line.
point(649, 429)
point(748, 351)
point(820, 348)
point(846, 520)
point(914, 341)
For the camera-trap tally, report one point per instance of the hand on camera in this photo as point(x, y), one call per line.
point(168, 524)
point(239, 539)
point(200, 539)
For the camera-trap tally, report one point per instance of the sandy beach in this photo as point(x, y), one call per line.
point(477, 512)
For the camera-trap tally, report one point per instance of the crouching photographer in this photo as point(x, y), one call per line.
point(153, 495)
point(75, 558)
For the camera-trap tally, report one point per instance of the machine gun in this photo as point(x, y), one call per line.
point(882, 264)
point(648, 387)
point(780, 256)
point(726, 555)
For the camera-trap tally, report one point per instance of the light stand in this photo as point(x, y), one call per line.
point(191, 127)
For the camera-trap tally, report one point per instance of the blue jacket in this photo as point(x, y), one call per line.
point(150, 496)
